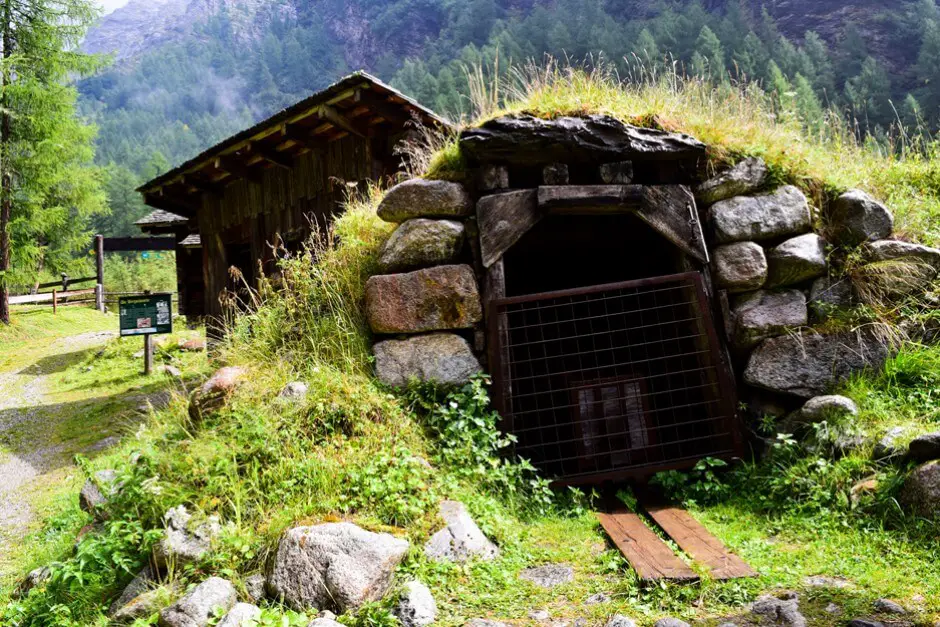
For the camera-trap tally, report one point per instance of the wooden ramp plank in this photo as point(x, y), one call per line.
point(647, 553)
point(696, 540)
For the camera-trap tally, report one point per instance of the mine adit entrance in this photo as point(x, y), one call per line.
point(605, 357)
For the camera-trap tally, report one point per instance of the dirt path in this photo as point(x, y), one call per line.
point(21, 401)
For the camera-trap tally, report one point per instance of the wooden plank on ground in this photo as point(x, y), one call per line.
point(651, 558)
point(701, 545)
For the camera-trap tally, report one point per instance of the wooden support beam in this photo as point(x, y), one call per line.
point(234, 167)
point(272, 156)
point(302, 135)
point(161, 199)
point(203, 185)
point(337, 119)
point(137, 244)
point(390, 112)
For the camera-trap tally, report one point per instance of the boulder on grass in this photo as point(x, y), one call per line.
point(420, 198)
point(199, 606)
point(213, 394)
point(888, 447)
point(830, 408)
point(762, 314)
point(806, 366)
point(746, 177)
point(421, 243)
point(33, 579)
point(294, 391)
point(184, 541)
point(829, 295)
point(138, 586)
point(921, 491)
point(97, 491)
point(335, 566)
point(241, 615)
point(855, 217)
point(740, 267)
point(416, 606)
point(435, 299)
point(783, 213)
point(441, 358)
point(890, 250)
point(460, 539)
point(924, 448)
point(549, 575)
point(142, 606)
point(796, 260)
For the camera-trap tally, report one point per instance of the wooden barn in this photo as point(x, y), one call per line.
point(276, 181)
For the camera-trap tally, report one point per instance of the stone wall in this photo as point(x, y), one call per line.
point(764, 250)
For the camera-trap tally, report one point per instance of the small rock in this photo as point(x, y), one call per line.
point(213, 394)
point(887, 606)
point(746, 177)
point(847, 443)
point(921, 490)
point(493, 177)
point(138, 355)
point(182, 544)
point(295, 391)
point(740, 267)
point(33, 579)
point(862, 488)
point(416, 607)
point(96, 492)
point(539, 615)
point(832, 608)
point(828, 295)
point(784, 611)
point(783, 213)
point(888, 446)
point(865, 622)
point(832, 408)
point(199, 606)
point(327, 614)
point(855, 217)
point(596, 599)
point(421, 243)
point(193, 346)
point(729, 624)
point(138, 585)
point(762, 314)
point(171, 371)
point(549, 575)
point(822, 581)
point(420, 198)
point(482, 622)
point(142, 606)
point(254, 587)
point(460, 539)
point(442, 358)
point(796, 260)
point(617, 173)
point(924, 448)
point(619, 620)
point(242, 615)
point(324, 622)
point(670, 622)
point(555, 174)
point(336, 566)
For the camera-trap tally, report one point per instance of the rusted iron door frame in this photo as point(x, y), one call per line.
point(500, 363)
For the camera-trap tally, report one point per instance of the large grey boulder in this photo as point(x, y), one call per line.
point(921, 490)
point(762, 314)
point(241, 615)
point(855, 217)
point(783, 213)
point(831, 408)
point(891, 250)
point(198, 607)
point(549, 575)
point(185, 540)
point(807, 365)
point(740, 267)
point(416, 606)
point(828, 296)
point(434, 299)
point(213, 394)
point(421, 243)
point(460, 539)
point(420, 198)
point(97, 491)
point(744, 178)
point(925, 448)
point(796, 260)
point(335, 566)
point(595, 139)
point(441, 358)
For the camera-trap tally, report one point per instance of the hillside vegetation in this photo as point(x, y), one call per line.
point(352, 450)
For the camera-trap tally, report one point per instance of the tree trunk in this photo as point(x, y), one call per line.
point(6, 175)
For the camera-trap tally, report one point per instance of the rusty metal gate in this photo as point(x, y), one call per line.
point(613, 381)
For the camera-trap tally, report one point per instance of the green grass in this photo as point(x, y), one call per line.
point(32, 327)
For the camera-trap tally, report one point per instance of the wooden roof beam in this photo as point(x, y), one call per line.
point(337, 119)
point(302, 135)
point(270, 155)
point(203, 186)
point(171, 202)
point(234, 167)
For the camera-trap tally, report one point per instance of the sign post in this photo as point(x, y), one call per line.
point(148, 315)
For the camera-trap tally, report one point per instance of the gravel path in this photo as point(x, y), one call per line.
point(21, 400)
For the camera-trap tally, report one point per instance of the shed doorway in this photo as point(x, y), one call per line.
point(607, 361)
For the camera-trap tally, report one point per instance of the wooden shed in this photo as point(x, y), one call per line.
point(277, 180)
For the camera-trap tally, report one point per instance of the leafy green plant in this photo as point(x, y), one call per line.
point(700, 484)
point(398, 487)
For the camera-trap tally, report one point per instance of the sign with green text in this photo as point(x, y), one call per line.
point(146, 315)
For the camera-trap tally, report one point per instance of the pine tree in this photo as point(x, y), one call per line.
point(927, 63)
point(868, 93)
point(709, 49)
point(48, 188)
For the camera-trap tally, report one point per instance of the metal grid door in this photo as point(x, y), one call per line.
point(613, 381)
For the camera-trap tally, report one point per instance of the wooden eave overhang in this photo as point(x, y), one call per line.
point(359, 105)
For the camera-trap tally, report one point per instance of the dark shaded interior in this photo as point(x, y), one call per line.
point(612, 381)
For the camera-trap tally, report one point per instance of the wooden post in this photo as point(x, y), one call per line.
point(148, 354)
point(54, 300)
point(99, 271)
point(65, 282)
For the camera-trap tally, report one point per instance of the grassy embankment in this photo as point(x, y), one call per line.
point(351, 450)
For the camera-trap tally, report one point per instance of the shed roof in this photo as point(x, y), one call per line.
point(355, 105)
point(159, 217)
